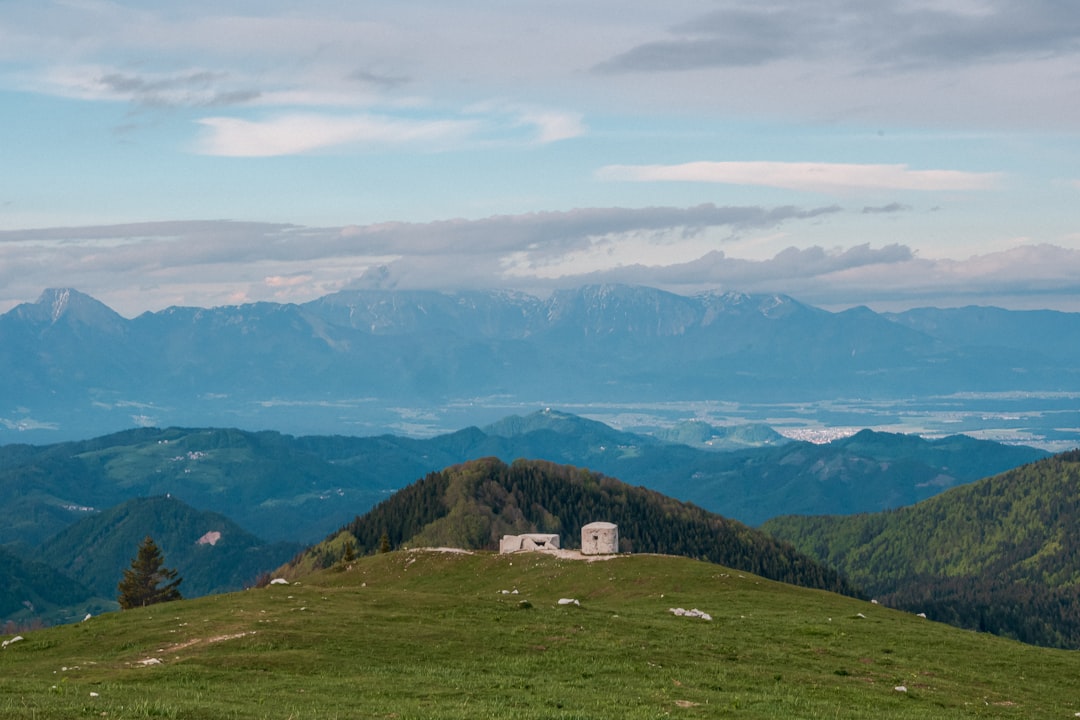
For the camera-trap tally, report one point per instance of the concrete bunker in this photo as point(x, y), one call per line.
point(528, 542)
point(600, 538)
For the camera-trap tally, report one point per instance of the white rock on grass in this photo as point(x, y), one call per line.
point(12, 641)
point(568, 601)
point(695, 613)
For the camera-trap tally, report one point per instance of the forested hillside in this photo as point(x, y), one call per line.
point(34, 593)
point(211, 553)
point(472, 505)
point(1001, 555)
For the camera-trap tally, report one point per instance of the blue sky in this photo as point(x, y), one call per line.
point(843, 152)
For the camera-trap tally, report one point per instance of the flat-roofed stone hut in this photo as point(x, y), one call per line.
point(600, 538)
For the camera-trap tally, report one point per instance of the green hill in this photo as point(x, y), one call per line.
point(421, 634)
point(1000, 555)
point(474, 504)
point(211, 553)
point(698, 433)
point(267, 482)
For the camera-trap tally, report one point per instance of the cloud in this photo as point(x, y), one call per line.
point(153, 265)
point(877, 36)
point(381, 81)
point(552, 126)
point(890, 208)
point(813, 176)
point(295, 134)
point(198, 88)
point(207, 262)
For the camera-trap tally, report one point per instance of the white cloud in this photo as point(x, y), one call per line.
point(812, 176)
point(552, 126)
point(303, 133)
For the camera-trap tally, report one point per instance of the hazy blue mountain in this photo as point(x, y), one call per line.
point(597, 433)
point(698, 433)
point(1053, 334)
point(70, 367)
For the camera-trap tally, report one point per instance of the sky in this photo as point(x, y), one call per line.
point(843, 152)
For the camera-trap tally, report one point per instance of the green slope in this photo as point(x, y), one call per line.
point(413, 635)
point(1000, 555)
point(474, 504)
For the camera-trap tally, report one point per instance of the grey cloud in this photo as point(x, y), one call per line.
point(892, 276)
point(874, 36)
point(379, 80)
point(890, 208)
point(165, 246)
point(790, 264)
point(554, 233)
point(195, 89)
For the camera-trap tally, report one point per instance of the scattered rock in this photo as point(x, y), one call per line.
point(279, 581)
point(569, 601)
point(690, 613)
point(900, 688)
point(12, 641)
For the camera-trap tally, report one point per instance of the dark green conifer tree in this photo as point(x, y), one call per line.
point(142, 582)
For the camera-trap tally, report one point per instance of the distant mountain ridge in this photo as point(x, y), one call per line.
point(71, 367)
point(297, 489)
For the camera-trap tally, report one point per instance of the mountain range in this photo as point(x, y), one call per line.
point(297, 489)
point(70, 367)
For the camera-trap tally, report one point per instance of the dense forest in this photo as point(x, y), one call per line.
point(1001, 555)
point(473, 504)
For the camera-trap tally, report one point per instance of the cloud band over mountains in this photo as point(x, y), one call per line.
point(148, 266)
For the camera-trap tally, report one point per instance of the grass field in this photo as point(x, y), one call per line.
point(432, 635)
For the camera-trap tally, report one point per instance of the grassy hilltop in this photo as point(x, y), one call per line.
point(422, 634)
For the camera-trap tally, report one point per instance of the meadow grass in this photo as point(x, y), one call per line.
point(432, 635)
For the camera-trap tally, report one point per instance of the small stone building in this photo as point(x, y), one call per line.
point(600, 538)
point(530, 541)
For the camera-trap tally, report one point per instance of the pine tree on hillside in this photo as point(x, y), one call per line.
point(142, 582)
